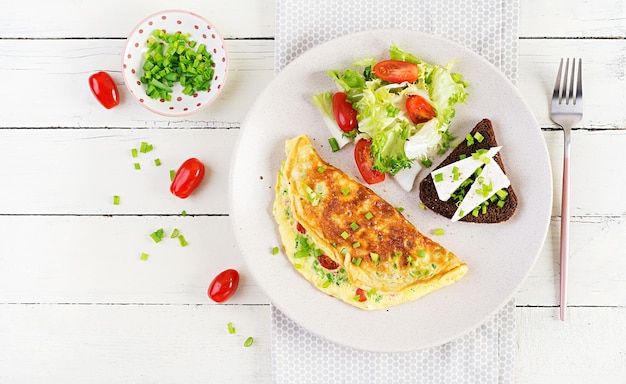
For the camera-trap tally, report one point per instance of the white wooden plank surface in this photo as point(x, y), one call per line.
point(251, 70)
point(255, 18)
point(73, 343)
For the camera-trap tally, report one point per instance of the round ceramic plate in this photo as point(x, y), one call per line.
point(499, 256)
point(201, 31)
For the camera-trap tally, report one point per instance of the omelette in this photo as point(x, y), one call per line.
point(349, 242)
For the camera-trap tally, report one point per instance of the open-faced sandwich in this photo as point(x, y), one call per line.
point(348, 241)
point(471, 183)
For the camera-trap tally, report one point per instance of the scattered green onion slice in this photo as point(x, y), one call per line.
point(345, 190)
point(421, 253)
point(356, 261)
point(275, 250)
point(369, 215)
point(427, 162)
point(134, 153)
point(321, 169)
point(356, 244)
point(438, 177)
point(137, 166)
point(172, 174)
point(175, 233)
point(345, 235)
point(183, 242)
point(231, 328)
point(116, 200)
point(183, 213)
point(334, 145)
point(479, 137)
point(157, 235)
point(439, 232)
point(375, 257)
point(354, 226)
point(144, 256)
point(157, 162)
point(248, 342)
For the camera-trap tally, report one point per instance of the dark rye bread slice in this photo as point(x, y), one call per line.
point(494, 214)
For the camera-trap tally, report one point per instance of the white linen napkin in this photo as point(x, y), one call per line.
point(486, 354)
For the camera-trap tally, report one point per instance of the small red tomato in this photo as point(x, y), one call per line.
point(223, 285)
point(396, 71)
point(364, 162)
point(187, 178)
point(418, 109)
point(345, 115)
point(104, 89)
point(300, 228)
point(327, 262)
point(361, 294)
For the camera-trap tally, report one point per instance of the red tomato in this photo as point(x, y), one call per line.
point(187, 178)
point(345, 115)
point(104, 89)
point(223, 285)
point(396, 71)
point(418, 109)
point(361, 294)
point(300, 228)
point(327, 262)
point(364, 161)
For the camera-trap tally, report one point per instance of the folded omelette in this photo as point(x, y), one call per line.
point(348, 241)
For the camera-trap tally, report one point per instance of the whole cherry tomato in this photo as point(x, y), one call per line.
point(396, 71)
point(223, 285)
point(345, 115)
point(364, 162)
point(187, 178)
point(327, 262)
point(104, 89)
point(361, 294)
point(418, 109)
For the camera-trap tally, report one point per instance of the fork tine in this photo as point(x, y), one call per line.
point(572, 96)
point(565, 96)
point(579, 86)
point(557, 86)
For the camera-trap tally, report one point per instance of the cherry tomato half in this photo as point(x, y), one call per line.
point(223, 285)
point(364, 161)
point(418, 109)
point(104, 89)
point(345, 115)
point(327, 262)
point(396, 71)
point(361, 294)
point(187, 178)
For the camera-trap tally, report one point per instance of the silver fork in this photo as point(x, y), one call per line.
point(567, 110)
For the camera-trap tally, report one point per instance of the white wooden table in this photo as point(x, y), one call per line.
point(78, 305)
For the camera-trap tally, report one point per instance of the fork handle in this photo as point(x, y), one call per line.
point(564, 230)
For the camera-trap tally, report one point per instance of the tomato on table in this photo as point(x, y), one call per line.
point(104, 89)
point(224, 285)
point(187, 178)
point(345, 115)
point(364, 162)
point(396, 71)
point(418, 109)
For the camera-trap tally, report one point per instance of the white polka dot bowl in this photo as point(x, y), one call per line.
point(199, 30)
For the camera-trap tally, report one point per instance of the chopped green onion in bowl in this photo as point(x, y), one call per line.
point(175, 63)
